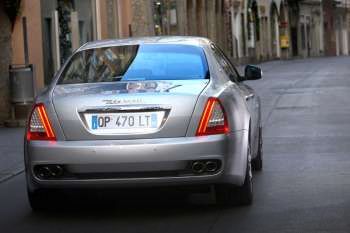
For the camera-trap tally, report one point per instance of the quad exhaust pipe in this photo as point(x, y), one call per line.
point(198, 167)
point(48, 171)
point(202, 166)
point(211, 166)
point(52, 171)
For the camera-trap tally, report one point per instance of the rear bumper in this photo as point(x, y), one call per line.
point(147, 156)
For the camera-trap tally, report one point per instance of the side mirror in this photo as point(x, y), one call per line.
point(252, 73)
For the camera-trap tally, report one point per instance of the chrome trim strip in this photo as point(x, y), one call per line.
point(117, 108)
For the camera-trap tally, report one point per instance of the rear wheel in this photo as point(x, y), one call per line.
point(233, 195)
point(40, 199)
point(257, 162)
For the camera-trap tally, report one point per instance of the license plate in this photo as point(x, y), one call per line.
point(128, 122)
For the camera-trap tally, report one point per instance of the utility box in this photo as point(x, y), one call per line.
point(21, 84)
point(22, 88)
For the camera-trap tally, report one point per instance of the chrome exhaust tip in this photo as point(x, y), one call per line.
point(56, 170)
point(211, 166)
point(198, 167)
point(48, 171)
point(43, 172)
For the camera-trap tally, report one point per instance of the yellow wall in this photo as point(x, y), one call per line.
point(125, 13)
point(31, 10)
point(103, 19)
point(121, 22)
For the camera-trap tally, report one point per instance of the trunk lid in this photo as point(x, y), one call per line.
point(156, 109)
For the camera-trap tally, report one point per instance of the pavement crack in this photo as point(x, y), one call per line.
point(215, 222)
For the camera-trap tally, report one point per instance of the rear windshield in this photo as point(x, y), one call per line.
point(136, 62)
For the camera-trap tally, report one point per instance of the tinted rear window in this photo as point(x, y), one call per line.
point(136, 62)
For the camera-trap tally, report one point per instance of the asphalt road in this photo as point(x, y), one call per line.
point(304, 187)
point(11, 152)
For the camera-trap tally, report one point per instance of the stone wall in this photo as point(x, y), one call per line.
point(142, 19)
point(5, 59)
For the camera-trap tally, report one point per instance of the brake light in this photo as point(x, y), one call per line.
point(39, 127)
point(213, 120)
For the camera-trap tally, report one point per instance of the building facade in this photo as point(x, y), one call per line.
point(5, 61)
point(248, 30)
point(277, 29)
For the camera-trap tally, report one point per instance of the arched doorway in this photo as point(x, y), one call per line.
point(293, 12)
point(65, 9)
point(219, 24)
point(238, 30)
point(275, 43)
point(189, 11)
point(253, 33)
point(284, 30)
point(200, 18)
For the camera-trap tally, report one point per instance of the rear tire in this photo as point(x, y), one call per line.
point(232, 195)
point(40, 199)
point(257, 162)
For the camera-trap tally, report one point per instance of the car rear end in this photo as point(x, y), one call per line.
point(130, 116)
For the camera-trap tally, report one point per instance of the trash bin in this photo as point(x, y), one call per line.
point(21, 84)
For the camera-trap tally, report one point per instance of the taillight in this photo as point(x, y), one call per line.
point(213, 120)
point(39, 127)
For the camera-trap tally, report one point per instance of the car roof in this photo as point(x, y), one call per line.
point(185, 40)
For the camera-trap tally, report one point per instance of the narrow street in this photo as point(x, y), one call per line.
point(304, 186)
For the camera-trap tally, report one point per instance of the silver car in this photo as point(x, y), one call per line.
point(146, 112)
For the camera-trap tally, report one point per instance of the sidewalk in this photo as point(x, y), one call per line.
point(11, 152)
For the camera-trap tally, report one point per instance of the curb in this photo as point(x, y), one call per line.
point(11, 175)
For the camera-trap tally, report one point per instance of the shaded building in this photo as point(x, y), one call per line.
point(247, 30)
point(5, 61)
